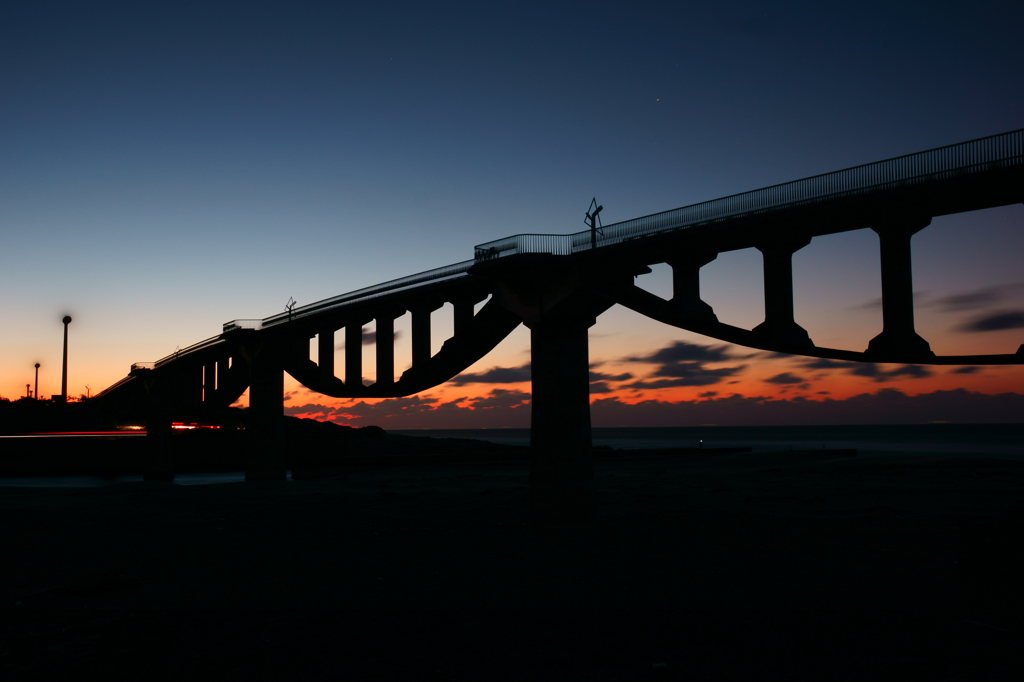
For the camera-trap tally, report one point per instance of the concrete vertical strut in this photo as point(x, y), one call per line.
point(265, 457)
point(561, 465)
point(898, 334)
point(779, 325)
point(386, 349)
point(463, 314)
point(159, 465)
point(209, 379)
point(354, 353)
point(421, 350)
point(686, 285)
point(325, 351)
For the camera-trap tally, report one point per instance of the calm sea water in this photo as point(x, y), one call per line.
point(966, 440)
point(989, 440)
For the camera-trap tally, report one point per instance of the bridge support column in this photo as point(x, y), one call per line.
point(209, 379)
point(898, 335)
point(779, 325)
point(421, 333)
point(265, 460)
point(686, 286)
point(159, 465)
point(386, 348)
point(561, 459)
point(325, 351)
point(354, 353)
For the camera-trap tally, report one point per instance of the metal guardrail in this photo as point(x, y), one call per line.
point(987, 153)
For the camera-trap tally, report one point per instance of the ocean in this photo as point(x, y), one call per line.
point(999, 441)
point(985, 440)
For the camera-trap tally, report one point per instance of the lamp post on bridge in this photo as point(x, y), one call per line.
point(593, 221)
point(36, 394)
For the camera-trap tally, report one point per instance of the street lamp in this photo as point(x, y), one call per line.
point(64, 372)
point(36, 394)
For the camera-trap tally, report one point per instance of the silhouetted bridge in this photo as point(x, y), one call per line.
point(557, 285)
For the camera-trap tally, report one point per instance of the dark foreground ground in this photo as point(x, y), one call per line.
point(763, 566)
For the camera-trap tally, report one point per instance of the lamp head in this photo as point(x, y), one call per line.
point(67, 319)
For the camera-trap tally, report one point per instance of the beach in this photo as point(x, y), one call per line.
point(766, 549)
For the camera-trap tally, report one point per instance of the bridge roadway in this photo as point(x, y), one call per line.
point(558, 284)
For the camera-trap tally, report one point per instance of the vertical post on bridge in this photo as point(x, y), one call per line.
point(561, 464)
point(265, 459)
point(209, 379)
point(686, 285)
point(898, 334)
point(325, 351)
point(779, 325)
point(159, 465)
point(386, 349)
point(354, 353)
point(421, 340)
point(463, 314)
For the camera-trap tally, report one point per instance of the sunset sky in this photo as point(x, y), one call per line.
point(167, 168)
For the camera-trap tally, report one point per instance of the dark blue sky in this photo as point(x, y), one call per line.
point(168, 168)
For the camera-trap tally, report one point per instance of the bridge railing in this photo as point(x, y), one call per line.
point(557, 244)
point(376, 291)
point(243, 324)
point(1006, 149)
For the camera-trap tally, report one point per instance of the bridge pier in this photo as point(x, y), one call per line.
point(898, 334)
point(354, 353)
point(159, 465)
point(325, 351)
point(686, 285)
point(421, 351)
point(561, 459)
point(779, 325)
point(386, 347)
point(209, 378)
point(265, 459)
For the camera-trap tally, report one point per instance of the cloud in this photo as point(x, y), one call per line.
point(598, 376)
point(823, 363)
point(680, 351)
point(708, 394)
point(310, 411)
point(501, 397)
point(887, 406)
point(877, 302)
point(785, 378)
point(683, 364)
point(370, 338)
point(874, 371)
point(495, 375)
point(509, 408)
point(976, 299)
point(687, 374)
point(997, 321)
point(389, 407)
point(970, 369)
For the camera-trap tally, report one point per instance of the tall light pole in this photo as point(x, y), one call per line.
point(37, 382)
point(64, 372)
point(593, 221)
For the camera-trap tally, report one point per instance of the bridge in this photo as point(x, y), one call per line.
point(558, 284)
